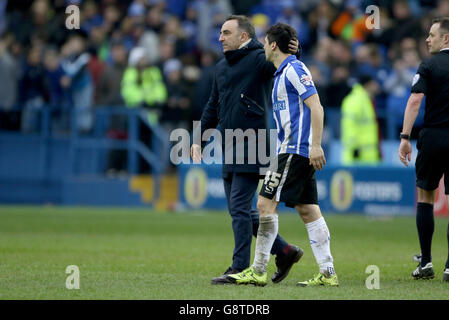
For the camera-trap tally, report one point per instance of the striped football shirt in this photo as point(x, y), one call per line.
point(292, 85)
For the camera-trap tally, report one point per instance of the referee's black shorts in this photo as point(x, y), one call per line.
point(292, 182)
point(433, 158)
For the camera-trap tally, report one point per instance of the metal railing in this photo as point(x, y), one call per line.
point(154, 152)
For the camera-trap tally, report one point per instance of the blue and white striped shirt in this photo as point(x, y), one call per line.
point(292, 85)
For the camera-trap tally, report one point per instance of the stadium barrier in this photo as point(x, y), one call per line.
point(369, 190)
point(69, 168)
point(378, 191)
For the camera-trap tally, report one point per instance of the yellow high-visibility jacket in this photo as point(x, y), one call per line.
point(150, 90)
point(359, 128)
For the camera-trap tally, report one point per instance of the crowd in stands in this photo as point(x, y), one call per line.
point(159, 54)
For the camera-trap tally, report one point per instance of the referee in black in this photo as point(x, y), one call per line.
point(432, 81)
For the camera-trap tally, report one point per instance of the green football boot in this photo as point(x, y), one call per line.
point(320, 280)
point(249, 276)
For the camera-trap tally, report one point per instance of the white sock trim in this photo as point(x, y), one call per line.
point(315, 224)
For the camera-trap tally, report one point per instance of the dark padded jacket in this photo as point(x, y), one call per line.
point(240, 98)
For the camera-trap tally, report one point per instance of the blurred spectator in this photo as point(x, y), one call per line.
point(96, 68)
point(172, 31)
point(8, 75)
point(442, 9)
point(291, 17)
point(307, 6)
point(340, 54)
point(350, 23)
point(109, 84)
point(111, 18)
point(340, 59)
point(154, 19)
point(149, 40)
point(339, 86)
point(243, 7)
point(190, 26)
point(370, 61)
point(3, 4)
point(142, 85)
point(406, 24)
point(398, 86)
point(40, 22)
point(90, 15)
point(167, 51)
point(261, 23)
point(78, 79)
point(54, 75)
point(98, 42)
point(59, 99)
point(320, 83)
point(319, 21)
point(33, 92)
point(109, 88)
point(176, 7)
point(162, 5)
point(321, 57)
point(9, 119)
point(359, 128)
point(204, 83)
point(400, 79)
point(177, 109)
point(211, 14)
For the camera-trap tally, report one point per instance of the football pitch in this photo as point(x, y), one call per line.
point(144, 254)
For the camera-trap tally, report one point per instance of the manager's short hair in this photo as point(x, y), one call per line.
point(444, 23)
point(244, 24)
point(282, 34)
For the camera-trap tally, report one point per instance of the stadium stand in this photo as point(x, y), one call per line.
point(71, 120)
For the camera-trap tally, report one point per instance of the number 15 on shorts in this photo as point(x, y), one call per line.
point(271, 181)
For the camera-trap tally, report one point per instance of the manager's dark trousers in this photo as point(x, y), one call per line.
point(240, 189)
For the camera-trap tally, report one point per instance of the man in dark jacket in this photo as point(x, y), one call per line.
point(239, 98)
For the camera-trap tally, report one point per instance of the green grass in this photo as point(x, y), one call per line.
point(143, 254)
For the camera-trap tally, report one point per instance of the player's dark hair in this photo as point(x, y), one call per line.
point(244, 24)
point(444, 24)
point(282, 34)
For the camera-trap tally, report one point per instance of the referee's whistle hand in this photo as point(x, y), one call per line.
point(405, 152)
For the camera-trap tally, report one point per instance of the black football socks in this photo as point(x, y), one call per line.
point(426, 225)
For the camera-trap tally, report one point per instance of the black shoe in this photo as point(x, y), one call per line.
point(223, 278)
point(446, 275)
point(425, 272)
point(284, 263)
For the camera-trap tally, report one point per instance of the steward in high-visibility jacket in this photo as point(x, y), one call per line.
point(143, 86)
point(359, 128)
